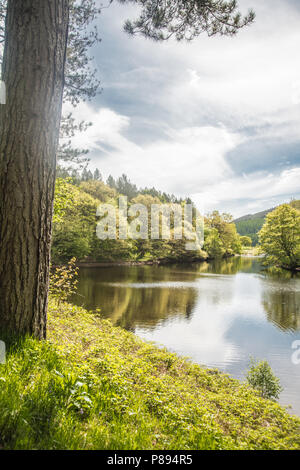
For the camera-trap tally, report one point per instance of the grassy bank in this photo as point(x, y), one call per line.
point(95, 386)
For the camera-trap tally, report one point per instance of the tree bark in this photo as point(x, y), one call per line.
point(33, 70)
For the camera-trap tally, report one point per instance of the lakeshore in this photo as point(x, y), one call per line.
point(95, 386)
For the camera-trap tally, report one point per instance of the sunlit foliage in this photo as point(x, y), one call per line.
point(280, 237)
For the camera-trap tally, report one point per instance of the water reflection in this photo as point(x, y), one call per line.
point(281, 303)
point(218, 313)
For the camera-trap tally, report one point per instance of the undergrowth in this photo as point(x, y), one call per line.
point(94, 386)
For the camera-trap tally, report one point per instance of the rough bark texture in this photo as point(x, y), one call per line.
point(33, 70)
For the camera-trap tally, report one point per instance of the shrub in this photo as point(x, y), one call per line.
point(261, 378)
point(63, 281)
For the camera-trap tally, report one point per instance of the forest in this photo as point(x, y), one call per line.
point(74, 232)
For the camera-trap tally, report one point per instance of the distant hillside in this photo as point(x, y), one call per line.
point(258, 215)
point(251, 224)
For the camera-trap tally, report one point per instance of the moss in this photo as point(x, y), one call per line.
point(95, 386)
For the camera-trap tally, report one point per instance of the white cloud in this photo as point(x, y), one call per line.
point(260, 191)
point(200, 100)
point(184, 161)
point(240, 80)
point(106, 130)
point(185, 158)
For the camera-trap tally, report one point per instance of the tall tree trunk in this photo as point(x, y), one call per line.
point(33, 70)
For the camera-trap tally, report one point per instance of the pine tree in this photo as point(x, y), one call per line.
point(111, 182)
point(33, 70)
point(97, 175)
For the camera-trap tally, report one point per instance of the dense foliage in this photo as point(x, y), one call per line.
point(280, 237)
point(221, 237)
point(75, 223)
point(246, 241)
point(251, 224)
point(250, 228)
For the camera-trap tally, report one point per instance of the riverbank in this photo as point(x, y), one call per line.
point(151, 262)
point(95, 386)
point(155, 262)
point(288, 268)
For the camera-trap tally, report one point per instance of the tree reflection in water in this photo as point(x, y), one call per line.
point(218, 313)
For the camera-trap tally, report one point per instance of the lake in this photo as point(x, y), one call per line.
point(219, 314)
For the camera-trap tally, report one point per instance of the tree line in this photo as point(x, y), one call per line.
point(75, 220)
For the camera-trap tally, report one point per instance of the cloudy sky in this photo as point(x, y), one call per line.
point(217, 119)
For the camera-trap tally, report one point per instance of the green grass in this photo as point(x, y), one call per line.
point(95, 386)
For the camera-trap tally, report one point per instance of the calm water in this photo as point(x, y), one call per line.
point(219, 314)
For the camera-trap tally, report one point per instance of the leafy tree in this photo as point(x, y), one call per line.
point(213, 244)
point(74, 222)
point(231, 240)
point(146, 200)
point(262, 378)
point(98, 190)
point(69, 240)
point(280, 237)
point(226, 230)
point(64, 199)
point(253, 223)
point(218, 221)
point(246, 241)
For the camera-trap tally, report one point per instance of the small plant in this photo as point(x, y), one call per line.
point(63, 281)
point(261, 377)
